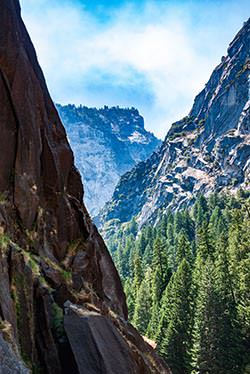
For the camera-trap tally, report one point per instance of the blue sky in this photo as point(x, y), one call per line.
point(154, 55)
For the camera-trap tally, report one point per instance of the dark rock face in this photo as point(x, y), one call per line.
point(207, 151)
point(50, 252)
point(107, 143)
point(39, 179)
point(100, 333)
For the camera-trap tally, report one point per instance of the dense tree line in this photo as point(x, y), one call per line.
point(187, 281)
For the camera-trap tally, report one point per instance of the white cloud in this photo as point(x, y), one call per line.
point(166, 50)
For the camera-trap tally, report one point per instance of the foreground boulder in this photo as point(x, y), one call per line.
point(114, 345)
point(50, 252)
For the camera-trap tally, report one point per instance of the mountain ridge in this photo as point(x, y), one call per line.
point(206, 151)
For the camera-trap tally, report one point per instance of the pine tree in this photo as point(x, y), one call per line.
point(130, 296)
point(163, 225)
point(178, 222)
point(166, 306)
point(155, 308)
point(137, 275)
point(143, 302)
point(183, 249)
point(230, 336)
point(148, 256)
point(215, 340)
point(160, 259)
point(239, 250)
point(203, 247)
point(142, 243)
point(124, 255)
point(205, 321)
point(170, 244)
point(188, 225)
point(213, 226)
point(175, 322)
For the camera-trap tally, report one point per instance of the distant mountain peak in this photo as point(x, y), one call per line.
point(107, 142)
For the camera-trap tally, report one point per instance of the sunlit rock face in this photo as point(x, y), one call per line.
point(106, 143)
point(52, 258)
point(207, 151)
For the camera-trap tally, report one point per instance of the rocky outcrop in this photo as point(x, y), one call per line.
point(207, 151)
point(50, 252)
point(107, 143)
point(100, 333)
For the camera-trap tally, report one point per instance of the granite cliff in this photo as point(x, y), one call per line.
point(107, 143)
point(62, 307)
point(207, 151)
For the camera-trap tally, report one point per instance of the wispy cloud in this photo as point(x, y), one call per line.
point(156, 55)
